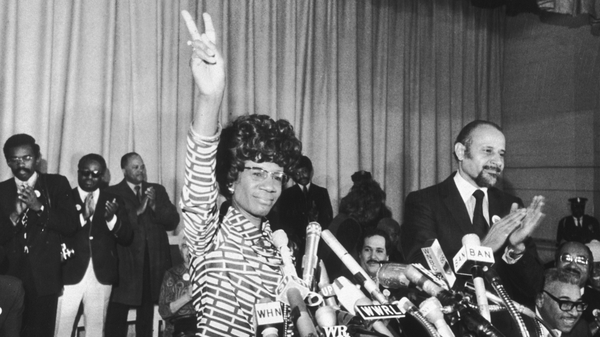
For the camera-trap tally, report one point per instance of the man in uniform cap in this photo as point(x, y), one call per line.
point(579, 226)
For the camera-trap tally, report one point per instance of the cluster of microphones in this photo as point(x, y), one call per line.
point(319, 306)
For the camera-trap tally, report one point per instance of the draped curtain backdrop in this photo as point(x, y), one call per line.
point(382, 86)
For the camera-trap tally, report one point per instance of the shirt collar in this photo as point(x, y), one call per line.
point(132, 186)
point(307, 186)
point(465, 188)
point(31, 181)
point(83, 194)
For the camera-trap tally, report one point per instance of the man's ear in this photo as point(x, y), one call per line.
point(459, 150)
point(539, 301)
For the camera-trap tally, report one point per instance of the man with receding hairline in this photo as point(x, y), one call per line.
point(143, 263)
point(467, 202)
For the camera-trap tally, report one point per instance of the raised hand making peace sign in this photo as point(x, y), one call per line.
point(208, 69)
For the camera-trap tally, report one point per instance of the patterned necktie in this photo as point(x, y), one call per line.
point(479, 221)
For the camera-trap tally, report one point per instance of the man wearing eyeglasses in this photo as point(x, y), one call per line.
point(143, 263)
point(574, 258)
point(36, 209)
point(89, 274)
point(560, 305)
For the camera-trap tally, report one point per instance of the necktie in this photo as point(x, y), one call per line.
point(305, 191)
point(89, 205)
point(478, 219)
point(138, 194)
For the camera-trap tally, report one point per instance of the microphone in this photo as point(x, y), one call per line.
point(300, 315)
point(325, 288)
point(310, 259)
point(438, 263)
point(407, 307)
point(280, 240)
point(350, 296)
point(359, 274)
point(326, 316)
point(268, 317)
point(290, 277)
point(431, 308)
point(474, 259)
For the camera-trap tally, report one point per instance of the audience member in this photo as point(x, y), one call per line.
point(302, 203)
point(143, 263)
point(92, 270)
point(574, 258)
point(591, 296)
point(360, 209)
point(175, 300)
point(467, 202)
point(35, 210)
point(579, 226)
point(392, 228)
point(559, 304)
point(12, 298)
point(372, 250)
point(234, 261)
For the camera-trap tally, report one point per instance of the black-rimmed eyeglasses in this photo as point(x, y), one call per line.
point(568, 305)
point(581, 260)
point(260, 174)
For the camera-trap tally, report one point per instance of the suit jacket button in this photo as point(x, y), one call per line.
point(91, 238)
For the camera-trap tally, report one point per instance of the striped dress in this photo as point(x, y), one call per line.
point(234, 264)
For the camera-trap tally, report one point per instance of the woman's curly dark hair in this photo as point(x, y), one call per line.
point(257, 138)
point(365, 203)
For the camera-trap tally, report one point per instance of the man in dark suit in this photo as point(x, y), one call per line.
point(467, 202)
point(143, 263)
point(89, 274)
point(303, 203)
point(579, 226)
point(560, 305)
point(12, 298)
point(35, 210)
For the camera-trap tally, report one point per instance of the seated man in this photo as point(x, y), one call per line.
point(12, 297)
point(592, 290)
point(175, 300)
point(373, 250)
point(559, 304)
point(574, 258)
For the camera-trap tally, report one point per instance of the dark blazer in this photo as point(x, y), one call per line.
point(439, 212)
point(295, 210)
point(41, 266)
point(568, 231)
point(94, 240)
point(149, 233)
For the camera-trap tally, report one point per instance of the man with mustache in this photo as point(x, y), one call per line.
point(574, 258)
point(143, 263)
point(560, 305)
point(467, 202)
point(35, 210)
point(374, 249)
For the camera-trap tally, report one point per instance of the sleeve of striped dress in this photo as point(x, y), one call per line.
point(199, 194)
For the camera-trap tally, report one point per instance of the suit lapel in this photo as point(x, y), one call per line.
point(453, 201)
point(495, 204)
